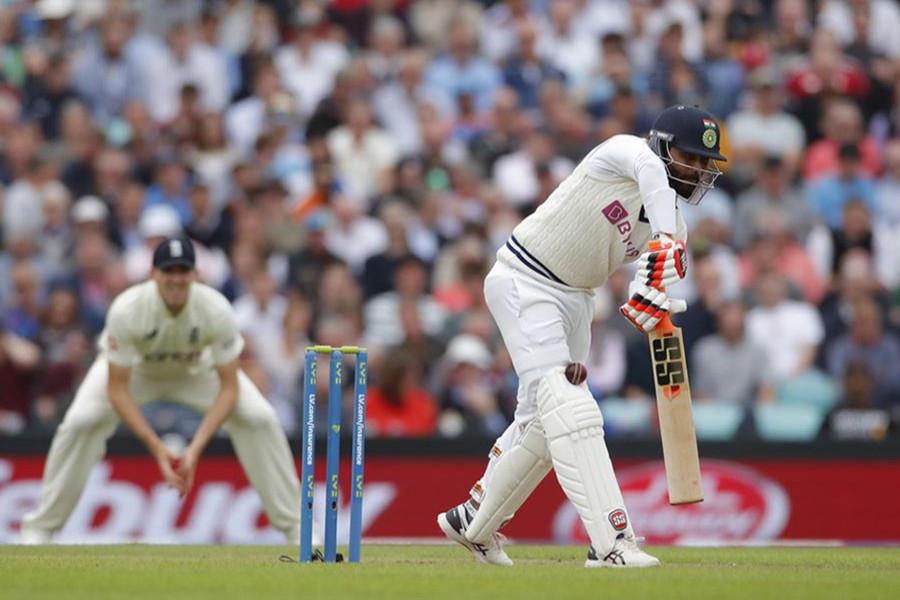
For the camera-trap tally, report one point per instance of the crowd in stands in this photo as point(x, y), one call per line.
point(348, 169)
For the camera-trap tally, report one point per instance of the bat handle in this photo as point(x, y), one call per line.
point(665, 324)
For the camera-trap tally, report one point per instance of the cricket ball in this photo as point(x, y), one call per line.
point(576, 373)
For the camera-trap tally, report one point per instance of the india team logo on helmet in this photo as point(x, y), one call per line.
point(710, 136)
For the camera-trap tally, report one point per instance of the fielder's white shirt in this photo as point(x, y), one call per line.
point(599, 218)
point(141, 333)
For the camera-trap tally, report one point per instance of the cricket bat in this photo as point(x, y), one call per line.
point(676, 420)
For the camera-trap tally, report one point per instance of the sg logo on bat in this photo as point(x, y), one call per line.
point(669, 363)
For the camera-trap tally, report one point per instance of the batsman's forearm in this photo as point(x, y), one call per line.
point(217, 414)
point(131, 415)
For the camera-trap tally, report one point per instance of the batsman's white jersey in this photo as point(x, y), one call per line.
point(599, 218)
point(171, 358)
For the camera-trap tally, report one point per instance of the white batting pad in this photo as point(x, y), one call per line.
point(573, 425)
point(515, 474)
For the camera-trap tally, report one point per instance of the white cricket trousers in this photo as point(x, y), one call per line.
point(80, 442)
point(543, 327)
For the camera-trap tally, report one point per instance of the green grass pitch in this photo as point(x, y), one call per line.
point(432, 572)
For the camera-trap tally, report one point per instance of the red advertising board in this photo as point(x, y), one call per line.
point(756, 500)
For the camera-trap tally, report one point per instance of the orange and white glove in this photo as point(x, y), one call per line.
point(664, 264)
point(648, 305)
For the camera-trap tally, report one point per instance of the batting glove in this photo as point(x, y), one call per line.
point(648, 305)
point(664, 264)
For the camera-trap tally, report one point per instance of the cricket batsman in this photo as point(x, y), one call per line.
point(173, 338)
point(621, 196)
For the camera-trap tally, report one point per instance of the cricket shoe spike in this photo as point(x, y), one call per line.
point(625, 554)
point(453, 523)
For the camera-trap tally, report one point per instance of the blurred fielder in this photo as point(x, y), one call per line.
point(620, 197)
point(172, 338)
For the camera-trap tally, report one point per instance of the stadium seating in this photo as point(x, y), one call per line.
point(716, 421)
point(626, 418)
point(788, 423)
point(812, 388)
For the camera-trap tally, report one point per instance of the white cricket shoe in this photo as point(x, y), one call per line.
point(625, 553)
point(453, 523)
point(32, 536)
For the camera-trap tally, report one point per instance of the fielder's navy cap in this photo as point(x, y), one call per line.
point(174, 252)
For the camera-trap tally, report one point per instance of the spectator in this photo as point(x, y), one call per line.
point(184, 60)
point(19, 360)
point(764, 130)
point(67, 355)
point(854, 281)
point(170, 187)
point(858, 417)
point(23, 311)
point(842, 124)
point(127, 214)
point(280, 354)
point(774, 250)
point(385, 44)
point(310, 63)
point(305, 266)
point(247, 119)
point(883, 22)
point(468, 400)
point(699, 320)
point(789, 331)
point(516, 174)
point(378, 270)
point(503, 136)
point(364, 154)
point(887, 188)
point(22, 214)
point(729, 367)
point(867, 342)
point(462, 70)
point(353, 236)
point(527, 66)
point(773, 193)
point(397, 406)
point(211, 226)
point(565, 46)
point(56, 238)
point(103, 74)
point(830, 193)
point(46, 93)
point(382, 312)
point(859, 229)
point(212, 158)
point(396, 102)
point(260, 311)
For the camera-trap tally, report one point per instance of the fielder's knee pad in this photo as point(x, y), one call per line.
point(518, 470)
point(573, 425)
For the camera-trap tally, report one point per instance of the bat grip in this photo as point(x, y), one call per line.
point(665, 324)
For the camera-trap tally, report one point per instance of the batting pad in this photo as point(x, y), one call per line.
point(573, 425)
point(518, 471)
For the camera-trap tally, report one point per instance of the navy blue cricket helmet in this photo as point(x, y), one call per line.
point(693, 130)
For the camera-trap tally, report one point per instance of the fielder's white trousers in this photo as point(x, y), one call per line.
point(543, 327)
point(80, 442)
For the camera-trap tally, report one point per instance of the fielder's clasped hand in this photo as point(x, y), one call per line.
point(664, 265)
point(648, 305)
